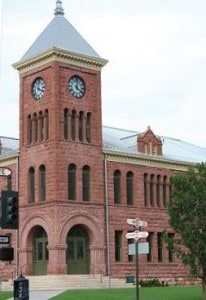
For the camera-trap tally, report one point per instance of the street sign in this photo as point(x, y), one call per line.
point(137, 222)
point(137, 234)
point(4, 171)
point(132, 235)
point(4, 239)
point(143, 248)
point(143, 234)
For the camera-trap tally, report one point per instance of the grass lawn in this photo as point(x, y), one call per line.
point(153, 293)
point(5, 295)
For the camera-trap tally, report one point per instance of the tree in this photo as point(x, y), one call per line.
point(187, 215)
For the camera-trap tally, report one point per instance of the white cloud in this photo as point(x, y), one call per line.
point(156, 52)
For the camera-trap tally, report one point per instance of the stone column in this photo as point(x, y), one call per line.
point(97, 259)
point(25, 261)
point(57, 259)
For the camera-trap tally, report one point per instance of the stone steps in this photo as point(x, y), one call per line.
point(66, 282)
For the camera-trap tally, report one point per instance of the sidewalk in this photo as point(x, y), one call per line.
point(42, 295)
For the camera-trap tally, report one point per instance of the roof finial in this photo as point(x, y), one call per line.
point(59, 11)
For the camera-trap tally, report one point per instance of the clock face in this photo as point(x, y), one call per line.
point(76, 86)
point(38, 88)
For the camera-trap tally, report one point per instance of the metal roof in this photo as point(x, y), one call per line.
point(125, 141)
point(60, 34)
point(9, 146)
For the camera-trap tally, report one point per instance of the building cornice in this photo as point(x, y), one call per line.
point(8, 160)
point(147, 160)
point(60, 55)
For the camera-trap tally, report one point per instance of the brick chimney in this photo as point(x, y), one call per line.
point(149, 143)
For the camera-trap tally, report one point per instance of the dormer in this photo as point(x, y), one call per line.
point(149, 143)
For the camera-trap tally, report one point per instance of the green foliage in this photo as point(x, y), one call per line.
point(151, 282)
point(187, 215)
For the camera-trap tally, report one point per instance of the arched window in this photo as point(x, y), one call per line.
point(46, 124)
point(117, 187)
point(88, 128)
point(35, 128)
point(66, 116)
point(165, 191)
point(31, 185)
point(42, 183)
point(41, 127)
point(72, 182)
point(86, 183)
point(81, 118)
point(29, 129)
point(129, 184)
point(158, 191)
point(73, 125)
point(152, 190)
point(145, 190)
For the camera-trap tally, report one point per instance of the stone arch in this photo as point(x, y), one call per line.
point(96, 239)
point(87, 221)
point(27, 244)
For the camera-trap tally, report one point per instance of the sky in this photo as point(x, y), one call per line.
point(156, 74)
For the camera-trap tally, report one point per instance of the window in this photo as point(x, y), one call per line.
point(31, 185)
point(117, 187)
point(171, 247)
point(150, 242)
point(9, 183)
point(118, 245)
point(88, 128)
point(81, 115)
point(165, 191)
point(145, 190)
point(158, 191)
point(66, 115)
point(41, 127)
point(46, 124)
point(129, 184)
point(35, 128)
point(160, 246)
point(29, 129)
point(72, 182)
point(86, 183)
point(42, 183)
point(152, 190)
point(73, 125)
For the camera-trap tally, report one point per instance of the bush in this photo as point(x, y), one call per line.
point(151, 283)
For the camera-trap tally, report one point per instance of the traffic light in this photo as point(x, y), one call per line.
point(6, 254)
point(10, 210)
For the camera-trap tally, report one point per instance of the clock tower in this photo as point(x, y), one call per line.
point(61, 184)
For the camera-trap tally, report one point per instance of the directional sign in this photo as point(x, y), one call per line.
point(137, 234)
point(4, 239)
point(137, 222)
point(4, 171)
point(132, 235)
point(143, 234)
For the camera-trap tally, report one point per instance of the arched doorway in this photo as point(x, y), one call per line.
point(78, 254)
point(40, 251)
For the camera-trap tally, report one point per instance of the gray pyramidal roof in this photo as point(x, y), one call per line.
point(60, 34)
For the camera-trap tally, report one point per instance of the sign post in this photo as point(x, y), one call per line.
point(136, 235)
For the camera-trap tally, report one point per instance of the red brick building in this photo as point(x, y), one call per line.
point(79, 181)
